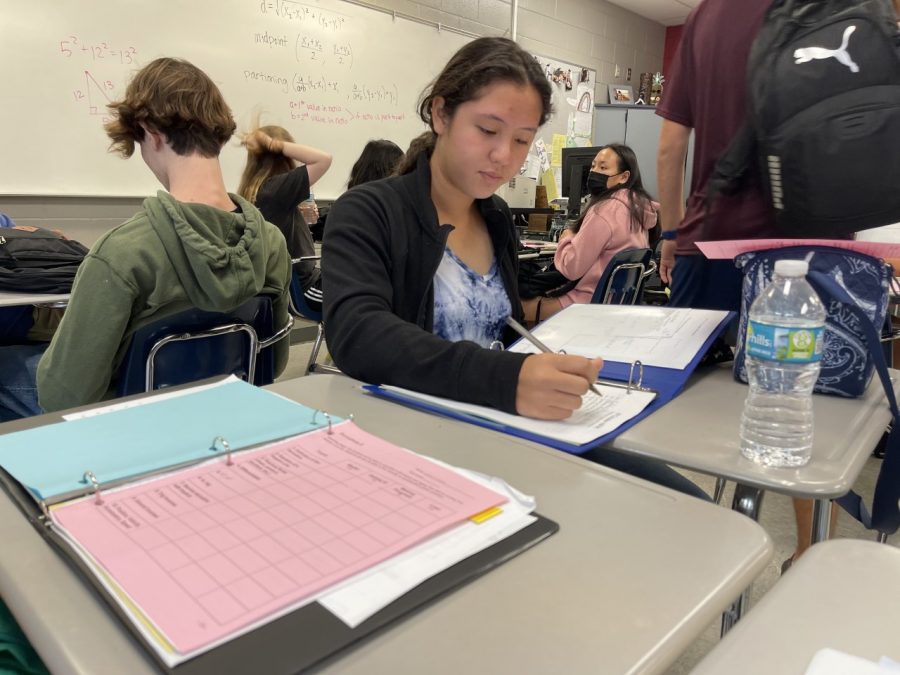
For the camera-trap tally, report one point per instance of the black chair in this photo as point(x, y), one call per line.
point(654, 292)
point(300, 308)
point(624, 276)
point(195, 344)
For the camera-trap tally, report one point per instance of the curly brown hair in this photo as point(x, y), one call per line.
point(177, 99)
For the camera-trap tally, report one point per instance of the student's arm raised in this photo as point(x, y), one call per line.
point(317, 161)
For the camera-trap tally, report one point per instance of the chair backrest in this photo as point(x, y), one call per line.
point(654, 290)
point(301, 309)
point(195, 344)
point(299, 306)
point(623, 278)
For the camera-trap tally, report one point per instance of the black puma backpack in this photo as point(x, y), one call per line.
point(822, 135)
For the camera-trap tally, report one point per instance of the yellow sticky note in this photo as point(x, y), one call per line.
point(559, 142)
point(548, 180)
point(486, 515)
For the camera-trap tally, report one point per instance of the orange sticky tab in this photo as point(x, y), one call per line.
point(486, 515)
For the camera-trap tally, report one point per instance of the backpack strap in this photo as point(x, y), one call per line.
point(885, 515)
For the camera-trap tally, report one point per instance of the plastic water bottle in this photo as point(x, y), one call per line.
point(784, 345)
point(309, 210)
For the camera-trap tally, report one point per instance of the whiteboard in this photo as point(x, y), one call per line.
point(334, 74)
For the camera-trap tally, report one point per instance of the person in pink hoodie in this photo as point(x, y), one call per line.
point(619, 215)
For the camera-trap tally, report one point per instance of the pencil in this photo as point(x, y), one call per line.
point(527, 334)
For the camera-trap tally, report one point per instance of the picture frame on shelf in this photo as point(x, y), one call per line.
point(621, 94)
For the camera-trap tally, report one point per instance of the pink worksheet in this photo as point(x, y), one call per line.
point(209, 550)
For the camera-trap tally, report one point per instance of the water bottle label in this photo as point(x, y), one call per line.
point(788, 344)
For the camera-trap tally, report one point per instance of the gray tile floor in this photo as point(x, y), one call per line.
point(776, 516)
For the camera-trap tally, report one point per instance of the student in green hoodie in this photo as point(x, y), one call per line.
point(192, 245)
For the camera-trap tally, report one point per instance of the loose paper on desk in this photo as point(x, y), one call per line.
point(656, 336)
point(726, 250)
point(206, 552)
point(597, 416)
point(358, 598)
point(829, 661)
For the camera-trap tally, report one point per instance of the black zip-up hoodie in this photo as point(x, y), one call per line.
point(382, 247)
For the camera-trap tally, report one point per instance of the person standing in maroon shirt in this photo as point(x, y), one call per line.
point(705, 92)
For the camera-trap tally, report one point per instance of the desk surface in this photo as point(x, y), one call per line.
point(635, 573)
point(840, 594)
point(10, 299)
point(699, 429)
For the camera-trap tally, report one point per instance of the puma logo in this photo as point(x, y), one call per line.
point(807, 54)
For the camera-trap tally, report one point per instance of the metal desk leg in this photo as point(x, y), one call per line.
point(747, 500)
point(821, 520)
point(719, 490)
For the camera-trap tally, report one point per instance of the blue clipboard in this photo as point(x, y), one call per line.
point(666, 382)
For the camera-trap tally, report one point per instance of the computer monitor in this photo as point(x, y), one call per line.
point(576, 165)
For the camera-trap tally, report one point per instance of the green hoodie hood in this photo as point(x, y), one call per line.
point(168, 258)
point(216, 255)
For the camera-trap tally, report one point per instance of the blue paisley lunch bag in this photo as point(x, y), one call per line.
point(838, 276)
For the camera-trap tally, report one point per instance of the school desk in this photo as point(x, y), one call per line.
point(841, 594)
point(699, 430)
point(635, 573)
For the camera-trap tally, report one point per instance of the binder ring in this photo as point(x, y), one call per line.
point(327, 419)
point(92, 479)
point(640, 380)
point(220, 440)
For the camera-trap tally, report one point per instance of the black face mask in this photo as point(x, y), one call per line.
point(597, 182)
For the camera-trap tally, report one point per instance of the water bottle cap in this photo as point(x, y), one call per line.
point(791, 268)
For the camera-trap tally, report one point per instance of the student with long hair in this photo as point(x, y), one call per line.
point(619, 215)
point(421, 267)
point(273, 181)
point(378, 160)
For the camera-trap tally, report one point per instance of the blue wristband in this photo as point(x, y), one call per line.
point(669, 235)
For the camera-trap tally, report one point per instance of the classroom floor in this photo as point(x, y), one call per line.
point(776, 516)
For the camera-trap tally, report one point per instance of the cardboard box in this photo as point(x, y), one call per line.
point(538, 222)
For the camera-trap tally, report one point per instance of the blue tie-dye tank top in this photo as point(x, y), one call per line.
point(468, 305)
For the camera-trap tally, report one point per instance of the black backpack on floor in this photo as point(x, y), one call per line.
point(35, 260)
point(822, 134)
